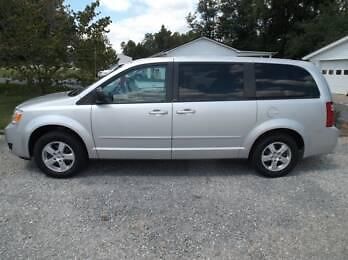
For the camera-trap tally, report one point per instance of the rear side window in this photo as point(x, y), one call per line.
point(211, 81)
point(276, 81)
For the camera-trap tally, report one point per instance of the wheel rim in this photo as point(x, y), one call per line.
point(276, 156)
point(58, 156)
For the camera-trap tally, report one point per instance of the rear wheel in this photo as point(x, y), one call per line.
point(275, 156)
point(59, 155)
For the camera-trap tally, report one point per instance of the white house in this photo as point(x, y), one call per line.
point(123, 59)
point(204, 46)
point(332, 60)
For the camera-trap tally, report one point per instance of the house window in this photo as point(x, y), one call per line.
point(331, 72)
point(345, 72)
point(324, 72)
point(338, 72)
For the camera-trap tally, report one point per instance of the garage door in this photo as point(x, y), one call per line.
point(336, 74)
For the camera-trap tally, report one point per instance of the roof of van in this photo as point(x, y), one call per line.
point(219, 59)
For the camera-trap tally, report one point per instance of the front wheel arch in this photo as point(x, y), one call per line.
point(64, 149)
point(34, 137)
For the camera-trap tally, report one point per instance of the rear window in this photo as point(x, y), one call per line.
point(276, 81)
point(211, 81)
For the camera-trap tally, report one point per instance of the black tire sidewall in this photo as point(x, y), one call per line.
point(263, 143)
point(73, 142)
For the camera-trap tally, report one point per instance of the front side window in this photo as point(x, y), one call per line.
point(143, 85)
point(275, 81)
point(211, 82)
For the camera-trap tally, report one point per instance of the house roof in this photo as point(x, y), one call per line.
point(239, 52)
point(326, 48)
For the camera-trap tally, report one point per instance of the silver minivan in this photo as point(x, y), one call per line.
point(271, 111)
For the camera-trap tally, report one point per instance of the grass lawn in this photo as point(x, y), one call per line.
point(7, 73)
point(12, 95)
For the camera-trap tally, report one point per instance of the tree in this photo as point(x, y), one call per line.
point(327, 27)
point(163, 40)
point(135, 50)
point(240, 23)
point(92, 49)
point(271, 25)
point(40, 38)
point(34, 36)
point(204, 20)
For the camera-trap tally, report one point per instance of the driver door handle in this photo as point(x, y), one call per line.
point(158, 112)
point(185, 111)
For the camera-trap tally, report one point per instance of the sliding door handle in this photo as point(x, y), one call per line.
point(185, 111)
point(158, 112)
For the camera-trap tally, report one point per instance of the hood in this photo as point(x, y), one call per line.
point(50, 98)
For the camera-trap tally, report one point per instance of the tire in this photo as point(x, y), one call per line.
point(275, 156)
point(60, 154)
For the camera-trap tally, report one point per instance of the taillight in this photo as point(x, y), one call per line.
point(330, 114)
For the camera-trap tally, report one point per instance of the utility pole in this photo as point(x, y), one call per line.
point(95, 61)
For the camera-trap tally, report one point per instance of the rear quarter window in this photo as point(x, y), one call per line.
point(277, 81)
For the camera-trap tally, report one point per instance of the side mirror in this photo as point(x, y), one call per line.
point(101, 98)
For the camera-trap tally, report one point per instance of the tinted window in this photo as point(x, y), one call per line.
point(211, 82)
point(324, 72)
point(284, 81)
point(338, 72)
point(345, 72)
point(331, 72)
point(143, 85)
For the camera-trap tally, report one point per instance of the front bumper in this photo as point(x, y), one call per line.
point(15, 141)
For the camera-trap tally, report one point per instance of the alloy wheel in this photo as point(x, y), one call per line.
point(58, 156)
point(276, 156)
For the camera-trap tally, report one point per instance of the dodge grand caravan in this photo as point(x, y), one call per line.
point(273, 112)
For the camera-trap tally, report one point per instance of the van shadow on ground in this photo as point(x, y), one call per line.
point(235, 167)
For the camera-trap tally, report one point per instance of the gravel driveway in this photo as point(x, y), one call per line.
point(175, 210)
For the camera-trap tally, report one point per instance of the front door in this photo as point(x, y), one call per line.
point(137, 121)
point(212, 114)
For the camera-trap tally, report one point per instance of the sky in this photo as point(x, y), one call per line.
point(131, 19)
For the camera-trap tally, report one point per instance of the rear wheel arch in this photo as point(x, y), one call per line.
point(37, 133)
point(298, 138)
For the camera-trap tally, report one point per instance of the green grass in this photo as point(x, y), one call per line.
point(8, 73)
point(12, 95)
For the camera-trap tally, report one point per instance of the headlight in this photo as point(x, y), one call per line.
point(17, 116)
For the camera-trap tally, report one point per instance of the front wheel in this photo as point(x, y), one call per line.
point(59, 155)
point(275, 156)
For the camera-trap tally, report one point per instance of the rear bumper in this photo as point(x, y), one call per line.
point(15, 142)
point(322, 142)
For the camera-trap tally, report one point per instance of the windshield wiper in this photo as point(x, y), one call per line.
point(75, 92)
